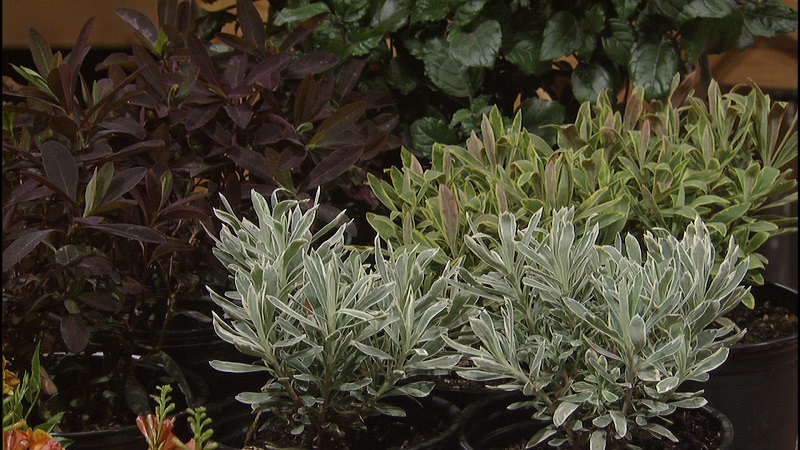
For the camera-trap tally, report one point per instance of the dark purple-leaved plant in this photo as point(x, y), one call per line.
point(107, 183)
point(260, 114)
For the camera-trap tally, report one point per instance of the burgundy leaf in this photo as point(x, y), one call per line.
point(338, 138)
point(96, 265)
point(21, 247)
point(79, 50)
point(251, 23)
point(140, 23)
point(311, 63)
point(351, 73)
point(242, 91)
point(29, 190)
point(375, 147)
point(198, 117)
point(41, 52)
point(238, 43)
point(251, 161)
point(138, 148)
point(169, 248)
point(333, 165)
point(64, 125)
point(60, 167)
point(122, 183)
point(130, 231)
point(343, 118)
point(151, 72)
point(305, 99)
point(180, 212)
point(269, 133)
point(261, 73)
point(233, 191)
point(292, 157)
point(235, 70)
point(74, 333)
point(101, 301)
point(124, 125)
point(240, 114)
point(302, 31)
point(168, 13)
point(199, 55)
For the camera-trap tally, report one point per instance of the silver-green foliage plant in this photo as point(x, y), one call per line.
point(657, 165)
point(334, 334)
point(600, 337)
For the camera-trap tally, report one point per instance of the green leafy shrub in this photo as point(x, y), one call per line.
point(463, 57)
point(657, 165)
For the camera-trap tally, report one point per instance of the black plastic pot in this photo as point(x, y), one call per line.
point(489, 424)
point(127, 437)
point(757, 386)
point(230, 431)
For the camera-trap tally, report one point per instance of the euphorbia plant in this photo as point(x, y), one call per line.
point(599, 338)
point(334, 334)
point(655, 165)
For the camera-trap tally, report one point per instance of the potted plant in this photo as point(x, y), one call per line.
point(544, 58)
point(655, 165)
point(97, 238)
point(335, 329)
point(108, 176)
point(19, 399)
point(598, 339)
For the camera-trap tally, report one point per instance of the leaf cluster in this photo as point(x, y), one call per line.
point(658, 165)
point(334, 333)
point(548, 56)
point(600, 337)
point(255, 111)
point(109, 176)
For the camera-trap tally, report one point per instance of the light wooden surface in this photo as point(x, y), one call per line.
point(60, 21)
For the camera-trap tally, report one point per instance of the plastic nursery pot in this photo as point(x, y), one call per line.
point(757, 386)
point(230, 432)
point(489, 425)
point(127, 436)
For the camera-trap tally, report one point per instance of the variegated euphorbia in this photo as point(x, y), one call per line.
point(334, 335)
point(600, 338)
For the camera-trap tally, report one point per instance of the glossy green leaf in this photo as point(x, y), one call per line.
point(652, 66)
point(478, 47)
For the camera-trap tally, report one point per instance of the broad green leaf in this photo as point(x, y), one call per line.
point(447, 73)
point(563, 36)
point(590, 80)
point(652, 66)
point(478, 48)
point(525, 52)
point(299, 14)
point(429, 130)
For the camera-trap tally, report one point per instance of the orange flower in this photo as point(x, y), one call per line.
point(10, 380)
point(29, 439)
point(157, 436)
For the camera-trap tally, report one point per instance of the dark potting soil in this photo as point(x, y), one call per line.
point(764, 322)
point(382, 432)
point(694, 430)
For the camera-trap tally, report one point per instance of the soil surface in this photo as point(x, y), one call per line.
point(764, 322)
point(382, 432)
point(694, 430)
